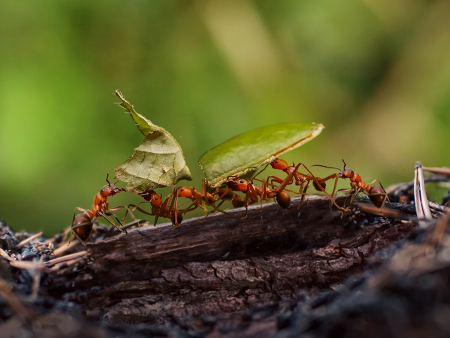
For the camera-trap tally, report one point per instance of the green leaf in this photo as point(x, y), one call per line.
point(251, 150)
point(157, 162)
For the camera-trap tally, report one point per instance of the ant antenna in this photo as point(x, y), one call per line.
point(107, 175)
point(261, 170)
point(344, 163)
point(324, 166)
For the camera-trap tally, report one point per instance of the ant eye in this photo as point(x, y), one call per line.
point(241, 181)
point(156, 198)
point(276, 161)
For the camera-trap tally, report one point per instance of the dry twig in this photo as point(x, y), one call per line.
point(420, 198)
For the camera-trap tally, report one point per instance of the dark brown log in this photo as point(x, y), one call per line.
point(224, 264)
point(272, 230)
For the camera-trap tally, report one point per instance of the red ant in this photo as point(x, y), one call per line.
point(199, 199)
point(253, 193)
point(82, 223)
point(300, 179)
point(162, 209)
point(376, 193)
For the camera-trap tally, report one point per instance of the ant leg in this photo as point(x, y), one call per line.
point(136, 205)
point(303, 196)
point(334, 193)
point(174, 200)
point(287, 180)
point(262, 170)
point(357, 191)
point(204, 192)
point(191, 207)
point(106, 214)
point(126, 212)
point(274, 178)
point(247, 203)
point(140, 209)
point(110, 221)
point(333, 196)
point(79, 209)
point(70, 238)
point(300, 188)
point(226, 192)
point(349, 189)
point(264, 195)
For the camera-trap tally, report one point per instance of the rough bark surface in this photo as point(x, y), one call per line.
point(224, 265)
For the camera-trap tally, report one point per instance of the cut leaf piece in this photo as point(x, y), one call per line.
point(249, 151)
point(157, 162)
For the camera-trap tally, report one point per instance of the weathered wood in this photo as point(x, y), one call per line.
point(242, 272)
point(218, 287)
point(272, 230)
point(224, 264)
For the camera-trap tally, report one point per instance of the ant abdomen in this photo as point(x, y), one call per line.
point(283, 199)
point(238, 202)
point(228, 194)
point(377, 195)
point(82, 226)
point(179, 217)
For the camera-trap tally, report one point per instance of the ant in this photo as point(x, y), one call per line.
point(300, 179)
point(376, 193)
point(160, 208)
point(199, 199)
point(253, 193)
point(82, 223)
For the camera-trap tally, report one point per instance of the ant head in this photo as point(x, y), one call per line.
point(110, 189)
point(238, 184)
point(279, 164)
point(156, 200)
point(345, 173)
point(151, 197)
point(184, 192)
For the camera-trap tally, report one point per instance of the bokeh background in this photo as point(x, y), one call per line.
point(376, 73)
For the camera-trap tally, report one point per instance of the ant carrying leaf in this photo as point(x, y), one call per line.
point(249, 151)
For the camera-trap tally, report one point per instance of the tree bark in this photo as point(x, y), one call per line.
point(224, 264)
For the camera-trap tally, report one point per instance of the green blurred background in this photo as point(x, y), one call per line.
point(376, 73)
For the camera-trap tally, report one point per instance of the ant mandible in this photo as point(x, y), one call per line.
point(376, 193)
point(82, 223)
point(253, 193)
point(199, 199)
